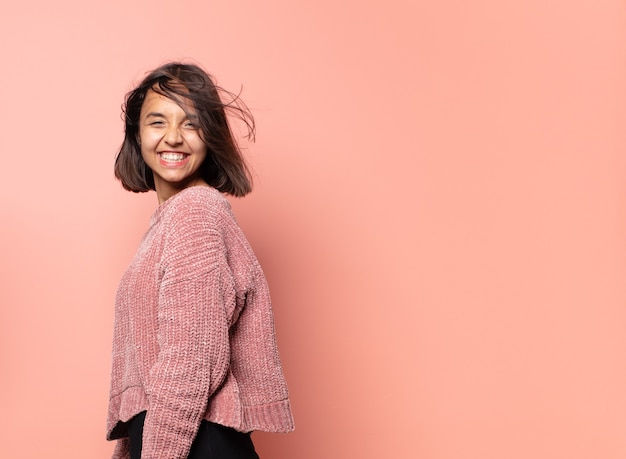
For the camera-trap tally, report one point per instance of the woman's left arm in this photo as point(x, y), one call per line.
point(192, 332)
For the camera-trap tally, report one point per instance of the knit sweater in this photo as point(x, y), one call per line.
point(194, 332)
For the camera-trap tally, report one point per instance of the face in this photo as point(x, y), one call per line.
point(171, 144)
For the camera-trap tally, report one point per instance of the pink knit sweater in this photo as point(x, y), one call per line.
point(194, 332)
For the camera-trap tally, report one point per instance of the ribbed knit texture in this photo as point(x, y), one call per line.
point(194, 332)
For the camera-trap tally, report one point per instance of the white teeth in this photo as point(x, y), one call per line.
point(172, 156)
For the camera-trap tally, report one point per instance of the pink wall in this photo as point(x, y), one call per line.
point(440, 209)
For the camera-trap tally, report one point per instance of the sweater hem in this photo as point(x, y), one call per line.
point(273, 417)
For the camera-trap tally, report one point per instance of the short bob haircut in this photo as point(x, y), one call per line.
point(224, 167)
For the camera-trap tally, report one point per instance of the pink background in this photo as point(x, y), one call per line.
point(440, 210)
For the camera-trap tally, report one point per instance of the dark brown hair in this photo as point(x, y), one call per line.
point(224, 167)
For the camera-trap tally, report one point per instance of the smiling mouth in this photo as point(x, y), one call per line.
point(172, 157)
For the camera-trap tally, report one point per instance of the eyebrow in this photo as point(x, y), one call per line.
point(191, 116)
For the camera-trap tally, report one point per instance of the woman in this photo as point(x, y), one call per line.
point(195, 363)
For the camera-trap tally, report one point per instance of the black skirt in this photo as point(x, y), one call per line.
point(213, 441)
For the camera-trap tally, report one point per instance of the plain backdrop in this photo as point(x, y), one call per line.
point(440, 209)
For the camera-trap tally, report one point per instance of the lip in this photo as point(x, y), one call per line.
point(170, 163)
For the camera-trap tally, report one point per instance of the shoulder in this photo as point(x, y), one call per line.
point(202, 197)
point(192, 226)
point(197, 204)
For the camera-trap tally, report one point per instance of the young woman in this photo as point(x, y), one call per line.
point(195, 362)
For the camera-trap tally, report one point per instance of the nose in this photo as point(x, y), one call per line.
point(173, 136)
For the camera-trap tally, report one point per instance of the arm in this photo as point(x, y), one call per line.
point(192, 333)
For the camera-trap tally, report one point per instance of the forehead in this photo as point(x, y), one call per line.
point(155, 102)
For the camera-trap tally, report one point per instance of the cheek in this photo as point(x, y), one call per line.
point(145, 147)
point(142, 138)
point(147, 143)
point(197, 145)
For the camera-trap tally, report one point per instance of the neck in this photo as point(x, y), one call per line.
point(166, 190)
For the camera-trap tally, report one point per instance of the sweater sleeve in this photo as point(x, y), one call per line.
point(192, 333)
point(122, 449)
